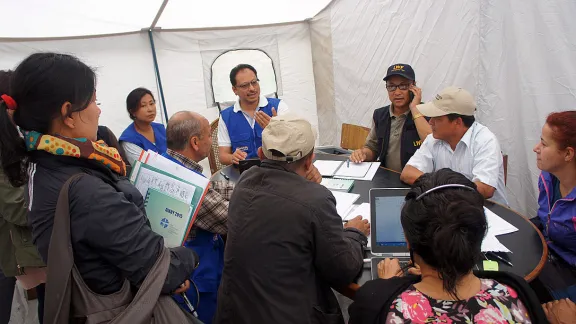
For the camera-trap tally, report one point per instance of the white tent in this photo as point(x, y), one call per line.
point(517, 57)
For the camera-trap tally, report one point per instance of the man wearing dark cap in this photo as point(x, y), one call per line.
point(399, 129)
point(286, 245)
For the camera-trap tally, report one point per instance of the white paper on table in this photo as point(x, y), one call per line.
point(492, 244)
point(356, 170)
point(327, 168)
point(344, 202)
point(497, 225)
point(362, 210)
point(372, 169)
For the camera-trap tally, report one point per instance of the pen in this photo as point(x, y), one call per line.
point(189, 304)
point(501, 259)
point(224, 175)
point(348, 163)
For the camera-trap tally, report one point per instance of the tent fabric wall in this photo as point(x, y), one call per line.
point(122, 63)
point(438, 38)
point(516, 57)
point(322, 57)
point(182, 68)
point(527, 69)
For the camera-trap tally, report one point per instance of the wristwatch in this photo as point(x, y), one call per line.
point(417, 116)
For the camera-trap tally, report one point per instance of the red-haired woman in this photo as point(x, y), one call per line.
point(556, 157)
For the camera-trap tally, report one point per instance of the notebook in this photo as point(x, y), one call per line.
point(327, 168)
point(342, 185)
point(169, 217)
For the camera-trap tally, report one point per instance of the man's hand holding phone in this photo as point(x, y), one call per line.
point(416, 95)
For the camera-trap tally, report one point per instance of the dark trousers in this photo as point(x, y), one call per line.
point(7, 286)
point(556, 281)
point(41, 291)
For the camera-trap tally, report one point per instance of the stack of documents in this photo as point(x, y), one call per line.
point(496, 226)
point(173, 195)
point(344, 202)
point(347, 170)
point(360, 210)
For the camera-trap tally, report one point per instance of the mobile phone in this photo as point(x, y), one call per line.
point(411, 95)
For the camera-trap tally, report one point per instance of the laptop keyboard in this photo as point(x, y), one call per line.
point(404, 262)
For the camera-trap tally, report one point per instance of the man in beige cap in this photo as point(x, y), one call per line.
point(286, 245)
point(459, 143)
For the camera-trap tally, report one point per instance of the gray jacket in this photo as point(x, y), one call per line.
point(286, 249)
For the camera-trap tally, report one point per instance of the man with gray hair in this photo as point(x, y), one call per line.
point(189, 141)
point(286, 245)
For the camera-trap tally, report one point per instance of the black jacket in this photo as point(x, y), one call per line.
point(285, 249)
point(374, 298)
point(409, 140)
point(111, 235)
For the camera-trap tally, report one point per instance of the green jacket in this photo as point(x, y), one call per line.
point(17, 250)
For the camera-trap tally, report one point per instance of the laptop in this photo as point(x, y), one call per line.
point(387, 236)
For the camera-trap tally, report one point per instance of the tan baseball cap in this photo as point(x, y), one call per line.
point(451, 100)
point(290, 136)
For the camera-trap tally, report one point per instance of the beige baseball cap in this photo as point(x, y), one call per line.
point(290, 136)
point(451, 100)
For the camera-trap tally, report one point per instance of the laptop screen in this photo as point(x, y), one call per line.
point(388, 227)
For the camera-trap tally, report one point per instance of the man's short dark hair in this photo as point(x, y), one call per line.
point(179, 132)
point(466, 120)
point(239, 68)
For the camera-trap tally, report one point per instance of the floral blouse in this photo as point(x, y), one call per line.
point(494, 303)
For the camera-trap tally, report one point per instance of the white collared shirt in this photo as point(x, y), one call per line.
point(224, 136)
point(477, 156)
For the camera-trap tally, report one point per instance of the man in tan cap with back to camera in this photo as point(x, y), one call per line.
point(286, 245)
point(460, 143)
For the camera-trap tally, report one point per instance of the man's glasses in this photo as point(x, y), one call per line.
point(246, 85)
point(393, 87)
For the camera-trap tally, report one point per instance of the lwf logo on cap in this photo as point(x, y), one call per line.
point(398, 68)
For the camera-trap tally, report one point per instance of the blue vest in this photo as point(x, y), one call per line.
point(241, 134)
point(130, 135)
point(210, 250)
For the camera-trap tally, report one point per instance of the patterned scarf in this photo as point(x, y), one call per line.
point(76, 147)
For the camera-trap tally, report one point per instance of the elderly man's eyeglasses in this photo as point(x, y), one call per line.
point(393, 87)
point(246, 85)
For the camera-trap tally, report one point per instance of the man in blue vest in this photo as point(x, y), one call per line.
point(399, 129)
point(240, 126)
point(189, 141)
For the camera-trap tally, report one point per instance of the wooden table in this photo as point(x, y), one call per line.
point(527, 244)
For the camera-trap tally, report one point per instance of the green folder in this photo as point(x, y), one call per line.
point(343, 185)
point(169, 217)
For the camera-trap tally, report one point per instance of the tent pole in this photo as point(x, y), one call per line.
point(155, 59)
point(158, 14)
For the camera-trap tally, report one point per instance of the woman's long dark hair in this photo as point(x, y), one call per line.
point(445, 227)
point(40, 85)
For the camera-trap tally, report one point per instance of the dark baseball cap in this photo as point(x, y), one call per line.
point(403, 70)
